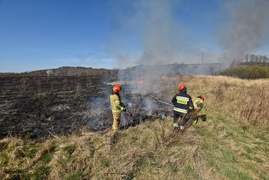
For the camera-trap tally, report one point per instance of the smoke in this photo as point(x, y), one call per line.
point(160, 33)
point(151, 32)
point(148, 33)
point(99, 107)
point(245, 30)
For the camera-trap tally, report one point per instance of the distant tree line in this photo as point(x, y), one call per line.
point(251, 60)
point(246, 72)
point(249, 66)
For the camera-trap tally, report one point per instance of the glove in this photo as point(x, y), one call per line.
point(124, 110)
point(203, 117)
point(191, 109)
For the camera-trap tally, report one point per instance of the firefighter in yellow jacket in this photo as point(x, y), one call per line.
point(117, 106)
point(198, 106)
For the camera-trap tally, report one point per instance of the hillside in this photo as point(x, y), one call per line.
point(63, 71)
point(162, 70)
point(231, 144)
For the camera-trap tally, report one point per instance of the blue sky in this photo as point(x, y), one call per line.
point(44, 34)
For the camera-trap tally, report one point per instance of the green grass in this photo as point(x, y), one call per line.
point(73, 176)
point(40, 172)
point(69, 149)
point(261, 136)
point(105, 162)
point(234, 174)
point(30, 152)
point(47, 158)
point(4, 159)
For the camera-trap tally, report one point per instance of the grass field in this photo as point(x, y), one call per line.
point(231, 144)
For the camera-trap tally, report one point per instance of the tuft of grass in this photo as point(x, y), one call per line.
point(189, 171)
point(30, 152)
point(258, 160)
point(73, 176)
point(4, 159)
point(229, 156)
point(248, 149)
point(105, 162)
point(235, 175)
point(69, 149)
point(40, 172)
point(46, 158)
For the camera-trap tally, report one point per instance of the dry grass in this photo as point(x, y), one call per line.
point(245, 100)
point(137, 152)
point(231, 144)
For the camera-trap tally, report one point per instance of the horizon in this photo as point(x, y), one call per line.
point(36, 35)
point(129, 67)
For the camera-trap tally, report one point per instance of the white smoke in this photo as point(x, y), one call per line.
point(246, 29)
point(161, 36)
point(148, 33)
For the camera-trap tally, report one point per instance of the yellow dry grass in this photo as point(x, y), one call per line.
point(231, 144)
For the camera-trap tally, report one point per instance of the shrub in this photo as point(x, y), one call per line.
point(246, 72)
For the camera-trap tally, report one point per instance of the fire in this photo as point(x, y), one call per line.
point(82, 131)
point(141, 80)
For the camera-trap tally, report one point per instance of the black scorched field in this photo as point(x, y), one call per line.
point(38, 107)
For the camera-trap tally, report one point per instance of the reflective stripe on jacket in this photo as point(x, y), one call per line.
point(180, 110)
point(182, 102)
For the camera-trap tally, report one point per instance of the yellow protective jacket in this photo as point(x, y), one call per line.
point(116, 104)
point(198, 104)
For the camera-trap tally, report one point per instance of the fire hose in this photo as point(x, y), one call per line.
point(202, 117)
point(129, 113)
point(163, 102)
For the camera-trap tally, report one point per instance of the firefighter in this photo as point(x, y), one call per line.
point(117, 106)
point(198, 106)
point(182, 104)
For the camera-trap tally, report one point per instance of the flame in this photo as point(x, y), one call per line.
point(141, 80)
point(82, 131)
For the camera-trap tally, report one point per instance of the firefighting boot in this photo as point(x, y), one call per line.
point(175, 127)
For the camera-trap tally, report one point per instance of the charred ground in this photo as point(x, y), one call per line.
point(40, 104)
point(38, 107)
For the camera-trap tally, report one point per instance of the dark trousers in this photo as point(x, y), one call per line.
point(177, 116)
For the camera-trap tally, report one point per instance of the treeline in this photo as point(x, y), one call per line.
point(250, 66)
point(251, 60)
point(246, 72)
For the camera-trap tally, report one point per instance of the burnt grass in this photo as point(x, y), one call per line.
point(39, 107)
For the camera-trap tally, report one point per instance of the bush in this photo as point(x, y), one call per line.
point(246, 72)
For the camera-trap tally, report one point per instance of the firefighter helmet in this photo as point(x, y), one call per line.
point(181, 87)
point(116, 89)
point(201, 97)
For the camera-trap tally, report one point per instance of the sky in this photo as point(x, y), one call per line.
point(47, 34)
